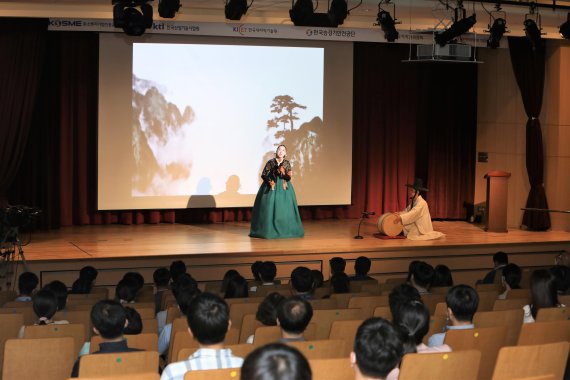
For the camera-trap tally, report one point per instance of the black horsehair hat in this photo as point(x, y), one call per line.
point(418, 185)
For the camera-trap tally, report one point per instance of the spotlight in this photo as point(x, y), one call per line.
point(532, 33)
point(168, 8)
point(456, 29)
point(302, 14)
point(235, 9)
point(134, 16)
point(338, 11)
point(565, 28)
point(496, 33)
point(388, 25)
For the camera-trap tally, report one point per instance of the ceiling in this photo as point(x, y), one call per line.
point(413, 14)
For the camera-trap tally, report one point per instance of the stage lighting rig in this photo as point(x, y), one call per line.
point(168, 8)
point(235, 9)
point(302, 13)
point(387, 23)
point(565, 28)
point(133, 16)
point(461, 25)
point(532, 28)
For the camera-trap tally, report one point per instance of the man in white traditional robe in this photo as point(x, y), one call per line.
point(416, 218)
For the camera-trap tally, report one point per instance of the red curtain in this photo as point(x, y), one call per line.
point(59, 172)
point(529, 67)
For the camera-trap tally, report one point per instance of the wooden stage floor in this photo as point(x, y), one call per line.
point(321, 237)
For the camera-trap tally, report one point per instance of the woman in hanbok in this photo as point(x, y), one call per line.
point(275, 212)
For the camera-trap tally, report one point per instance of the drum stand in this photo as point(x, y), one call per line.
point(364, 216)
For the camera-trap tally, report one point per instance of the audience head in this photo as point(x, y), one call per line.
point(294, 315)
point(267, 271)
point(512, 275)
point(542, 291)
point(412, 321)
point(237, 288)
point(442, 276)
point(109, 319)
point(340, 283)
point(338, 265)
point(126, 290)
point(88, 273)
point(377, 349)
point(134, 322)
point(401, 294)
point(563, 258)
point(561, 275)
point(184, 295)
point(362, 266)
point(267, 310)
point(136, 278)
point(60, 290)
point(185, 281)
point(45, 305)
point(255, 270)
point(275, 361)
point(422, 275)
point(27, 282)
point(463, 301)
point(411, 269)
point(318, 278)
point(500, 258)
point(302, 280)
point(161, 277)
point(208, 319)
point(177, 268)
point(227, 277)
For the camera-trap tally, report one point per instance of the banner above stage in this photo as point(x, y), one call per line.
point(259, 31)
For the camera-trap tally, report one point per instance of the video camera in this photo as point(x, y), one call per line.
point(12, 218)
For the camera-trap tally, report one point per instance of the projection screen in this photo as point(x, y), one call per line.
point(191, 121)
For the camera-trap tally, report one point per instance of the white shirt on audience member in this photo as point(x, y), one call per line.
point(203, 358)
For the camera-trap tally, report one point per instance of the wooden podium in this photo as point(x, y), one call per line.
point(496, 203)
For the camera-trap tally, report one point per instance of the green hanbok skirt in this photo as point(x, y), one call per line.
point(275, 213)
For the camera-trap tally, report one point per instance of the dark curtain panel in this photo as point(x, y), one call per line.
point(22, 48)
point(529, 66)
point(446, 135)
point(59, 171)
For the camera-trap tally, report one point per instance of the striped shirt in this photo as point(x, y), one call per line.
point(203, 358)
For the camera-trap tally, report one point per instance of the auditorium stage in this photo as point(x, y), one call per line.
point(213, 248)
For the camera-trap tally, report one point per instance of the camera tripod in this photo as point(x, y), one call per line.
point(11, 254)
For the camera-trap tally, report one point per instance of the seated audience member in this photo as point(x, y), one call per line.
point(340, 283)
point(462, 302)
point(126, 291)
point(293, 317)
point(338, 265)
point(209, 321)
point(422, 277)
point(361, 269)
point(542, 294)
point(136, 278)
point(227, 278)
point(236, 288)
point(109, 319)
point(275, 361)
point(561, 275)
point(60, 290)
point(265, 275)
point(563, 258)
point(185, 281)
point(302, 282)
point(267, 311)
point(84, 284)
point(318, 278)
point(511, 278)
point(184, 292)
point(132, 327)
point(44, 304)
point(401, 294)
point(412, 321)
point(177, 269)
point(500, 259)
point(411, 270)
point(161, 278)
point(442, 276)
point(27, 283)
point(255, 271)
point(377, 350)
